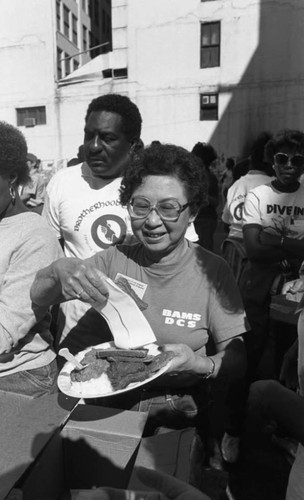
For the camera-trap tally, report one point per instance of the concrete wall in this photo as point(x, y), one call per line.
point(259, 78)
point(27, 61)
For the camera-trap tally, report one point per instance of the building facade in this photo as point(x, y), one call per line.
point(42, 42)
point(218, 71)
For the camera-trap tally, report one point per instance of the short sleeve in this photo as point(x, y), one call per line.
point(251, 210)
point(51, 212)
point(37, 249)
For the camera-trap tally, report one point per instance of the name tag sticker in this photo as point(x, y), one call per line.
point(138, 287)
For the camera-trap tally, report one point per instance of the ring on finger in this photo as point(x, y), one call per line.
point(78, 295)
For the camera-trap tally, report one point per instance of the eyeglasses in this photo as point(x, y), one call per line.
point(283, 159)
point(170, 210)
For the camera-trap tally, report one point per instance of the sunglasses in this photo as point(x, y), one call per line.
point(283, 159)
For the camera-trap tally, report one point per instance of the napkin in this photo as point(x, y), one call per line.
point(128, 325)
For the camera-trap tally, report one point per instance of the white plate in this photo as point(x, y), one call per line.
point(99, 388)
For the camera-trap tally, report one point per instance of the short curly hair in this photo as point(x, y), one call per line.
point(13, 154)
point(167, 160)
point(293, 139)
point(123, 106)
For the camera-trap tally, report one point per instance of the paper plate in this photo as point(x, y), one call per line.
point(100, 387)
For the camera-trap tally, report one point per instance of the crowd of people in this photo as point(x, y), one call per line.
point(150, 214)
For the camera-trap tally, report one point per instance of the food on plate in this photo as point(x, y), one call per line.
point(93, 370)
point(121, 353)
point(121, 366)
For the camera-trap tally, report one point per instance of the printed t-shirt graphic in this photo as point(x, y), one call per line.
point(277, 212)
point(89, 220)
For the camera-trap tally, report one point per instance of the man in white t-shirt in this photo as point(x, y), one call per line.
point(82, 204)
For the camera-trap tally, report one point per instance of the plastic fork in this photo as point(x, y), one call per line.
point(65, 353)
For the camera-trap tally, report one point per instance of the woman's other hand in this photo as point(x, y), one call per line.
point(185, 360)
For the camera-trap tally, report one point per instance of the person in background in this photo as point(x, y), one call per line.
point(190, 295)
point(227, 178)
point(206, 220)
point(27, 359)
point(273, 229)
point(241, 168)
point(32, 194)
point(79, 159)
point(82, 204)
point(272, 403)
point(233, 249)
point(264, 214)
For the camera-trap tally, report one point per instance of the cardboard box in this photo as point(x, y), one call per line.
point(26, 427)
point(96, 447)
point(93, 446)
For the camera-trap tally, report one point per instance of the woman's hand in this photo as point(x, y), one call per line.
point(80, 280)
point(185, 360)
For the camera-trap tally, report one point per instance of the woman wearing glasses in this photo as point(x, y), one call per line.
point(189, 292)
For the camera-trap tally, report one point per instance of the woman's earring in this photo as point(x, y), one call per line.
point(12, 193)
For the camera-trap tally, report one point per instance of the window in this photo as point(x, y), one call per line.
point(74, 29)
point(104, 21)
point(66, 21)
point(58, 23)
point(209, 107)
point(67, 69)
point(210, 44)
point(75, 64)
point(84, 38)
point(59, 64)
point(29, 117)
point(96, 12)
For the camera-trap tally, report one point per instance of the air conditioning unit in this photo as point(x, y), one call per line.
point(29, 122)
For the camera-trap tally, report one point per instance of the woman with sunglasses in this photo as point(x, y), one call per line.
point(27, 359)
point(273, 228)
point(189, 293)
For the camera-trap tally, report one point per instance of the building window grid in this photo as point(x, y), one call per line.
point(84, 38)
point(209, 107)
point(59, 64)
point(35, 115)
point(96, 12)
point(58, 15)
point(67, 64)
point(74, 30)
point(66, 21)
point(75, 64)
point(210, 44)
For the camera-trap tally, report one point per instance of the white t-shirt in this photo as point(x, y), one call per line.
point(87, 214)
point(85, 211)
point(233, 209)
point(279, 213)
